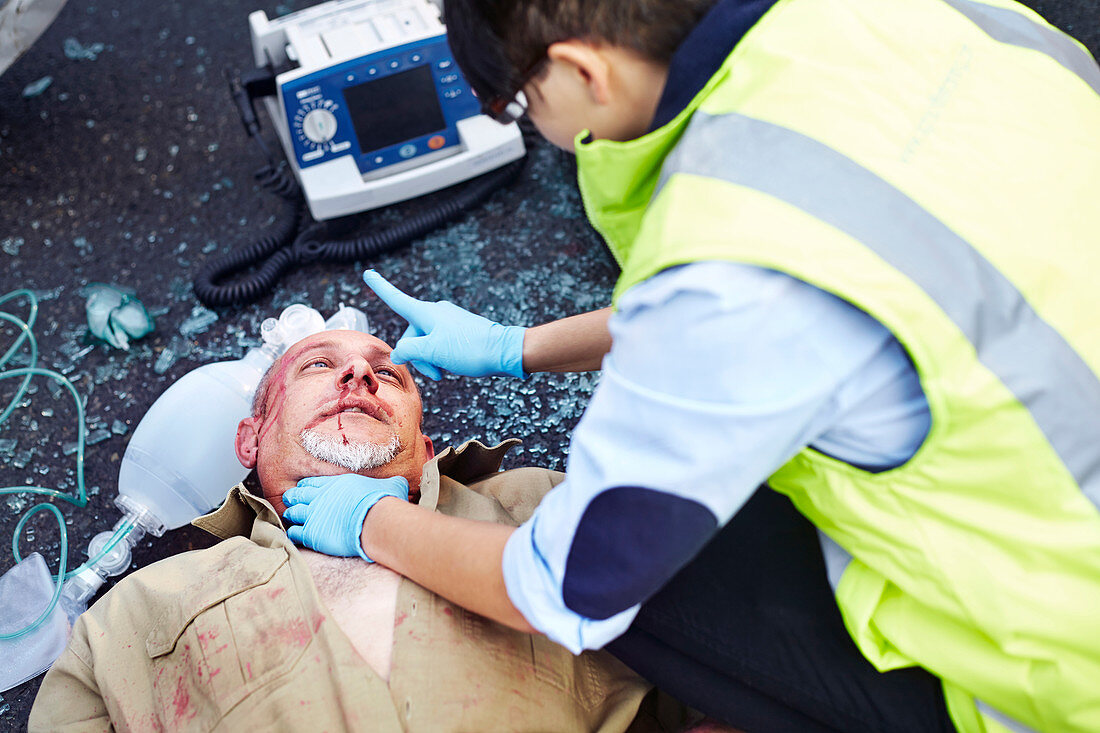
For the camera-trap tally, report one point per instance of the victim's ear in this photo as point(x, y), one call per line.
point(247, 443)
point(587, 64)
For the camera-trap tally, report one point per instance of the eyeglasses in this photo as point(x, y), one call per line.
point(504, 110)
point(507, 109)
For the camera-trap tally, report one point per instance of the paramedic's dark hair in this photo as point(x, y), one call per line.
point(495, 41)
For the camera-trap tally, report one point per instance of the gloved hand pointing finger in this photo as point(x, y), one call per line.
point(418, 313)
point(427, 370)
point(332, 509)
point(412, 310)
point(443, 336)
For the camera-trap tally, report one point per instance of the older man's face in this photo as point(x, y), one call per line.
point(340, 391)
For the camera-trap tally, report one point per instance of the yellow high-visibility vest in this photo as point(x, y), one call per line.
point(936, 163)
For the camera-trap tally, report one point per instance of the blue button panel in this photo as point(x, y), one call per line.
point(325, 89)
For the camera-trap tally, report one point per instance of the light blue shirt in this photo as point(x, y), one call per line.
point(719, 374)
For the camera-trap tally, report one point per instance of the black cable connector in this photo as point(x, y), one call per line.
point(245, 88)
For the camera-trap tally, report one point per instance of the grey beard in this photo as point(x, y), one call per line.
point(353, 456)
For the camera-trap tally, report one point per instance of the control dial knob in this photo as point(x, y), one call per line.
point(319, 125)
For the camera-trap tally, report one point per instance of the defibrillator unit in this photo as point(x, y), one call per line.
point(375, 110)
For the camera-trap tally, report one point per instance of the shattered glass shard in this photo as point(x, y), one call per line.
point(48, 294)
point(22, 458)
point(199, 320)
point(103, 373)
point(17, 502)
point(97, 436)
point(77, 51)
point(165, 361)
point(37, 87)
point(75, 352)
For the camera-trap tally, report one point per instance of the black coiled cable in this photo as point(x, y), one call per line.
point(269, 248)
point(380, 242)
point(296, 239)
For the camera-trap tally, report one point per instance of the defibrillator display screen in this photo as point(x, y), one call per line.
point(395, 108)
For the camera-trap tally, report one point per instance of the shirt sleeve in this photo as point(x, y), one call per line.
point(69, 699)
point(719, 374)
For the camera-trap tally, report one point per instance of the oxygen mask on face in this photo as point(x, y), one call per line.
point(179, 464)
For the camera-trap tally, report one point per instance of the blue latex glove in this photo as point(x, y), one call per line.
point(443, 336)
point(331, 510)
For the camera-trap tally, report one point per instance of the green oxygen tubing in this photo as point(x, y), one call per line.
point(80, 499)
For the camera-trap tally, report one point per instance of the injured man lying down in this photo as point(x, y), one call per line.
point(256, 633)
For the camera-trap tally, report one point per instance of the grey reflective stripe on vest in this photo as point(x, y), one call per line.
point(1013, 725)
point(1009, 26)
point(1032, 359)
point(837, 559)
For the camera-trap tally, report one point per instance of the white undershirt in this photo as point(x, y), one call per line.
point(362, 599)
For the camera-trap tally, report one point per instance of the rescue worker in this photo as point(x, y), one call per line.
point(858, 241)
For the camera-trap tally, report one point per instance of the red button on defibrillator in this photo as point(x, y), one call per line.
point(436, 142)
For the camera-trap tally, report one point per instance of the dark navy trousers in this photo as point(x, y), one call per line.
point(750, 634)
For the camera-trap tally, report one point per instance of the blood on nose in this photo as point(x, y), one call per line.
point(348, 377)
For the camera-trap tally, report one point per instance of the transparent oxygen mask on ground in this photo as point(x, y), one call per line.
point(26, 590)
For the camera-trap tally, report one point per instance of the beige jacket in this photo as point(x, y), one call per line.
point(235, 637)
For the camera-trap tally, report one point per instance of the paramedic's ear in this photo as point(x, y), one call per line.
point(588, 63)
point(247, 443)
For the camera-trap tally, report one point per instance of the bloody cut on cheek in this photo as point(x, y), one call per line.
point(278, 385)
point(271, 417)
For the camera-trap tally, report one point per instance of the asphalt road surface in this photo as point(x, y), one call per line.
point(129, 166)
